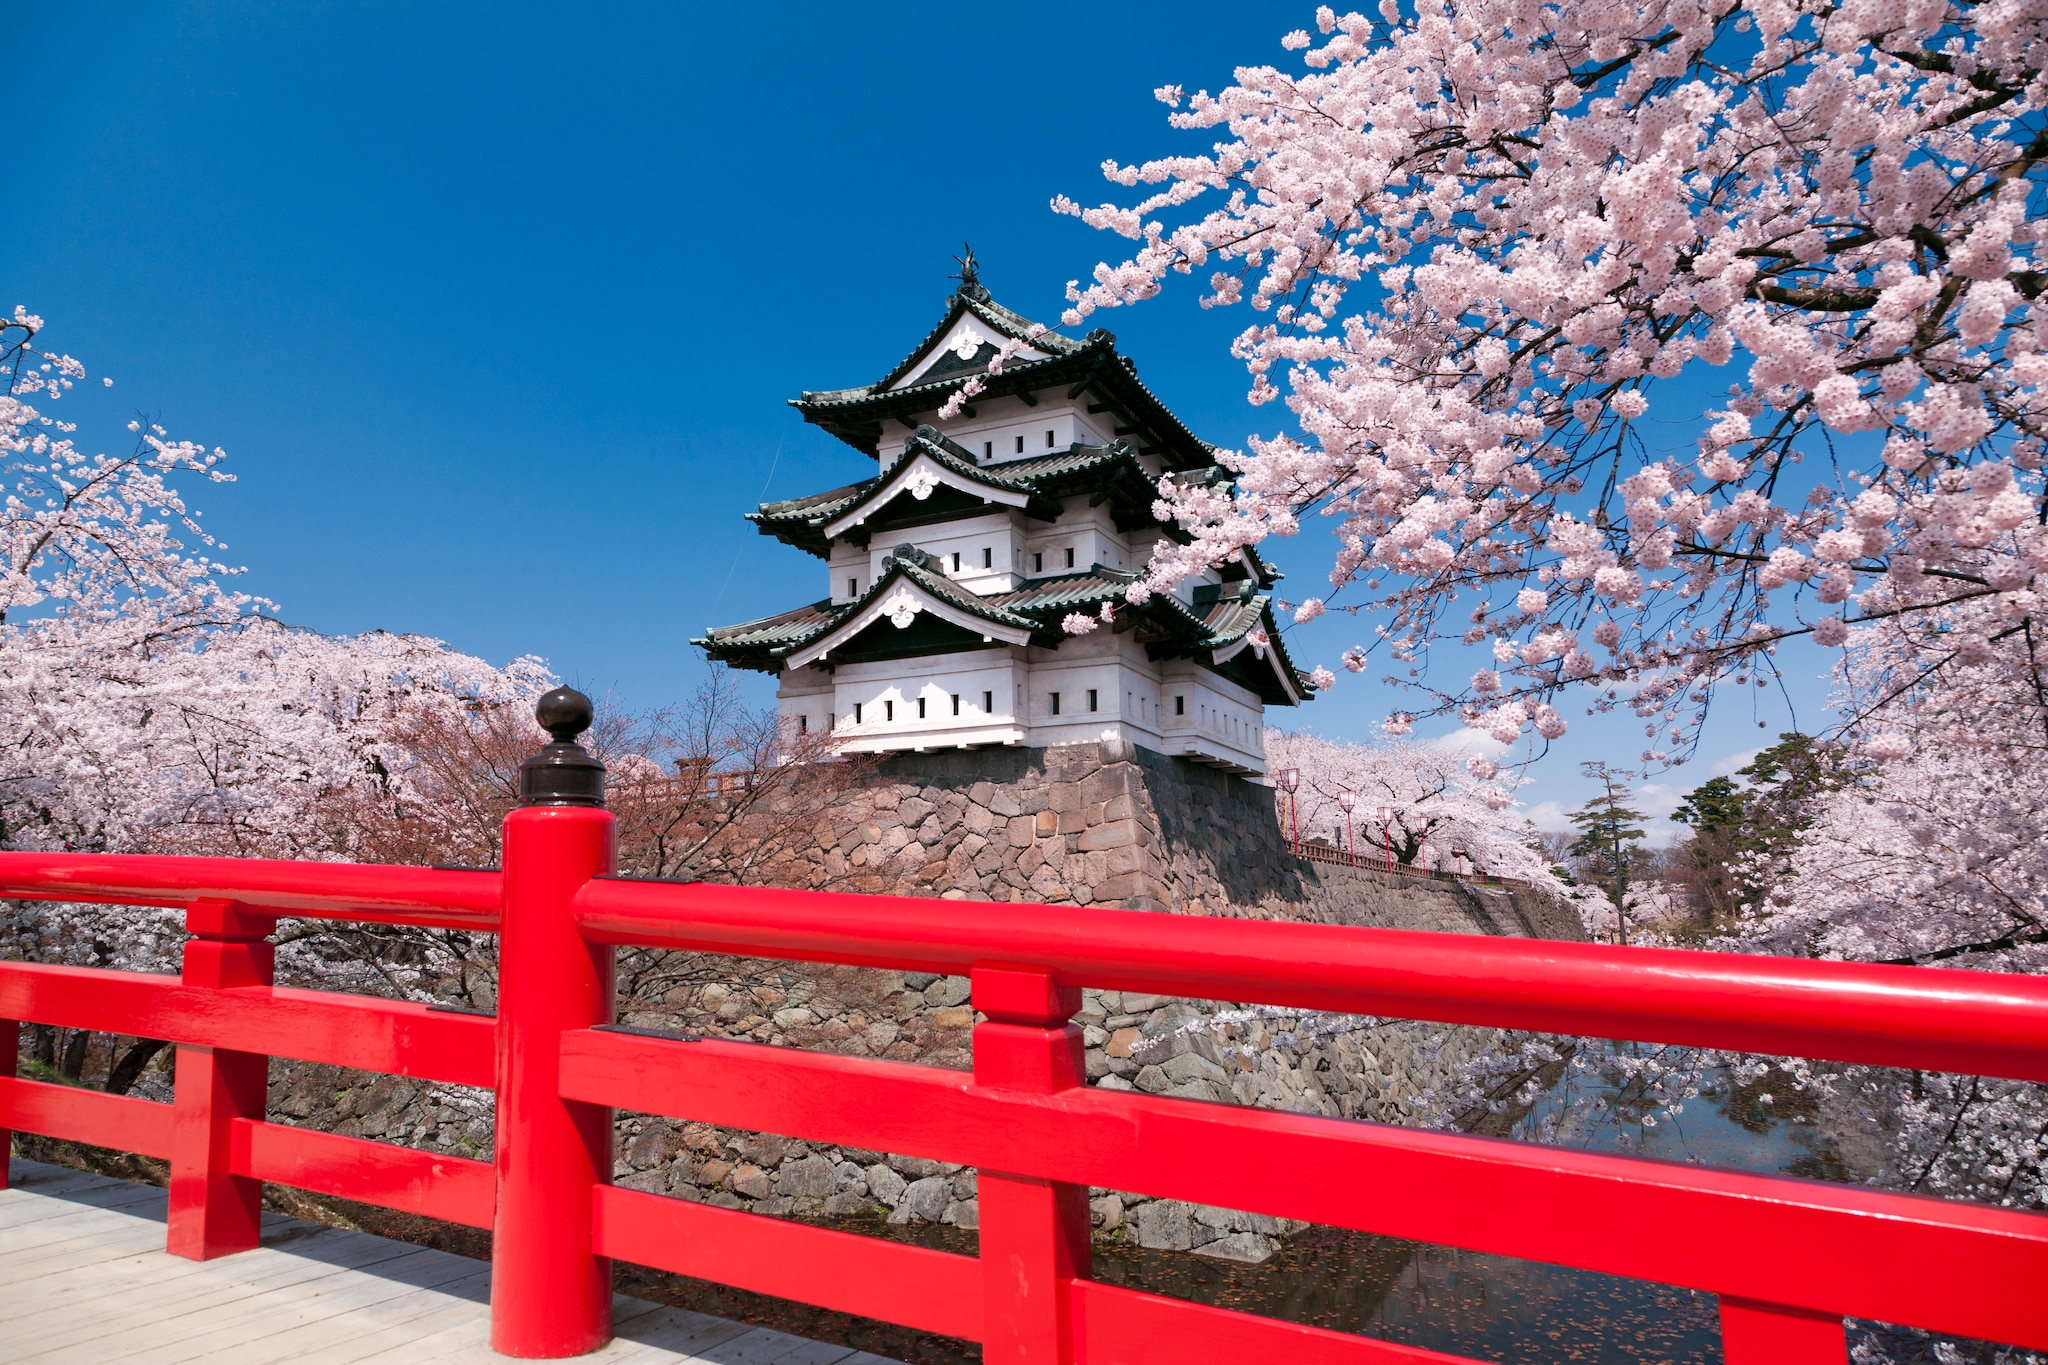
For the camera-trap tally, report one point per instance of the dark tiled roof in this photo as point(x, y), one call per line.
point(975, 299)
point(1043, 478)
point(1220, 618)
point(773, 634)
point(765, 643)
point(855, 415)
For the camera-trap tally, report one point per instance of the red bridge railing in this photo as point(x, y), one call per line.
point(1789, 1258)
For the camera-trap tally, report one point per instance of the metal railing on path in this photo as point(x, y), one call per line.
point(1788, 1258)
point(1372, 862)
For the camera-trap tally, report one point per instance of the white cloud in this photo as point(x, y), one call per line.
point(1656, 799)
point(1734, 763)
point(1551, 817)
point(1466, 740)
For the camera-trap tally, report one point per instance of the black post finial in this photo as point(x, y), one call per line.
point(562, 773)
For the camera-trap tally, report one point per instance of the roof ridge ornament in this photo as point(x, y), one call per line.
point(969, 275)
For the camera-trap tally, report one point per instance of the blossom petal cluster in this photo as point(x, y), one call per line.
point(1480, 237)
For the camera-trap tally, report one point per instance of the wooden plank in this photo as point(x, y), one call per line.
point(765, 1346)
point(84, 1278)
point(243, 1320)
point(37, 1224)
point(172, 1294)
point(675, 1333)
point(363, 1314)
point(401, 1333)
point(467, 1342)
point(19, 1207)
point(21, 1264)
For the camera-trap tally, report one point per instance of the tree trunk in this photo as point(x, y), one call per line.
point(121, 1077)
point(74, 1054)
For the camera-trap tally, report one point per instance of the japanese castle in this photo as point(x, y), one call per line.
point(953, 566)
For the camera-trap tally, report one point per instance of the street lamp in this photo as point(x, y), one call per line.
point(1349, 801)
point(1386, 814)
point(1290, 782)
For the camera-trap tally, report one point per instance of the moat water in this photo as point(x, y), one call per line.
point(1495, 1307)
point(1463, 1302)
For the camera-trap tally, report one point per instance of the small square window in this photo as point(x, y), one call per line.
point(1048, 440)
point(988, 702)
point(1020, 445)
point(956, 703)
point(1070, 557)
point(1091, 699)
point(889, 710)
point(1180, 706)
point(988, 558)
point(1055, 703)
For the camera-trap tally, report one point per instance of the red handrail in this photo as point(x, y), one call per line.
point(432, 897)
point(1787, 1257)
point(1983, 1023)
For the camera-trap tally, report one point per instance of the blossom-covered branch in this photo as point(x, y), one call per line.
point(1484, 237)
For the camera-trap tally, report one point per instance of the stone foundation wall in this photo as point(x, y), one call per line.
point(1112, 824)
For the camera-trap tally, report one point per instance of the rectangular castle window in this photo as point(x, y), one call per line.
point(1070, 556)
point(988, 702)
point(956, 703)
point(1055, 703)
point(988, 450)
point(1020, 445)
point(1091, 699)
point(1180, 706)
point(1048, 440)
point(831, 719)
point(988, 557)
point(1038, 563)
point(853, 587)
point(856, 713)
point(889, 710)
point(920, 708)
point(956, 561)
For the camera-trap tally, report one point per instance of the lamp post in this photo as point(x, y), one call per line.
point(1349, 801)
point(1386, 815)
point(1290, 782)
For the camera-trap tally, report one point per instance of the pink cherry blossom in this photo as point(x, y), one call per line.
point(1469, 240)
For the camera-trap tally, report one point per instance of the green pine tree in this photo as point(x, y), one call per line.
point(1716, 812)
point(1610, 833)
point(1741, 832)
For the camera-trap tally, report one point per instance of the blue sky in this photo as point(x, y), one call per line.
point(496, 309)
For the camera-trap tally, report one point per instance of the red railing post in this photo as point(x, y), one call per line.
point(1034, 1232)
point(551, 1294)
point(10, 1059)
point(1771, 1334)
point(214, 1212)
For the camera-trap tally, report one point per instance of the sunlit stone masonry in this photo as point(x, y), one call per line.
point(950, 570)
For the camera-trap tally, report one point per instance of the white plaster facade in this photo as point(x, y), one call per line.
point(1091, 687)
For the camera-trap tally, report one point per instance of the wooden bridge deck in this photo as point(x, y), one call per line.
point(84, 1277)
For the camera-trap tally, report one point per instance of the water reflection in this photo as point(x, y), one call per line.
point(1461, 1302)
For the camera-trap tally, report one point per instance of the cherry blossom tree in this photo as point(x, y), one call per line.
point(1934, 855)
point(1440, 803)
point(1494, 250)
